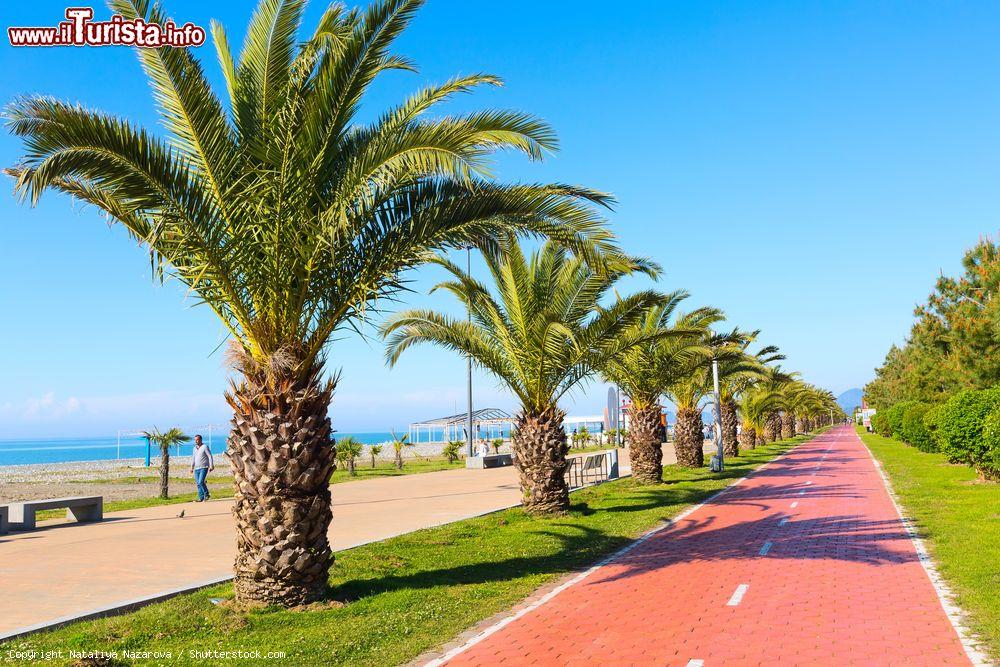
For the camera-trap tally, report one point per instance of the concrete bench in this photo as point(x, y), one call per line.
point(82, 508)
point(3, 519)
point(489, 461)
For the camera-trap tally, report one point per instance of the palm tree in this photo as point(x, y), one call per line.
point(165, 441)
point(542, 335)
point(451, 450)
point(738, 371)
point(374, 450)
point(757, 405)
point(348, 450)
point(399, 445)
point(647, 371)
point(290, 216)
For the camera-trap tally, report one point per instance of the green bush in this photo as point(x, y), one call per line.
point(988, 465)
point(913, 431)
point(960, 429)
point(932, 420)
point(894, 418)
point(879, 424)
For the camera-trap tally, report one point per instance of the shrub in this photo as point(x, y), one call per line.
point(960, 429)
point(932, 420)
point(879, 425)
point(912, 429)
point(988, 465)
point(894, 418)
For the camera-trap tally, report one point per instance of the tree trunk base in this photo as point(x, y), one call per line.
point(282, 455)
point(688, 439)
point(730, 428)
point(645, 450)
point(540, 458)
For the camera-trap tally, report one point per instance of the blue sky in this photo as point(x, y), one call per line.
point(809, 167)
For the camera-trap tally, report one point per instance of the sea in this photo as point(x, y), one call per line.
point(60, 450)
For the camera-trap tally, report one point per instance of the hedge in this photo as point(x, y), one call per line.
point(961, 427)
point(894, 418)
point(913, 431)
point(988, 465)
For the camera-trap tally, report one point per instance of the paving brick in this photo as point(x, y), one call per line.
point(840, 585)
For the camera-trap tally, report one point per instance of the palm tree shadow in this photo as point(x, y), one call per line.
point(845, 538)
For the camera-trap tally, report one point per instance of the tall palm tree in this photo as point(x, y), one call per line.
point(757, 406)
point(541, 335)
point(290, 216)
point(647, 371)
point(739, 369)
point(165, 440)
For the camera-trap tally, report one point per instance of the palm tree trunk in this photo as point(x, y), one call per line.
point(769, 434)
point(689, 439)
point(164, 471)
point(282, 457)
point(748, 436)
point(787, 425)
point(730, 428)
point(645, 447)
point(539, 447)
point(350, 467)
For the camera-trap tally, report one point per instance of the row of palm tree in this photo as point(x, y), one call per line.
point(294, 219)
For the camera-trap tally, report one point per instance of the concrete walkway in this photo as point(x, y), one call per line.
point(804, 563)
point(72, 569)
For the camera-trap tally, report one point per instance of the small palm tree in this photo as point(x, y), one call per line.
point(542, 335)
point(165, 441)
point(399, 445)
point(348, 450)
point(291, 216)
point(374, 450)
point(451, 450)
point(497, 444)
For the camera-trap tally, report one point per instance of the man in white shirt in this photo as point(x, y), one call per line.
point(201, 463)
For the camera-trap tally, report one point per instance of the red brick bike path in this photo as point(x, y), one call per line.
point(804, 563)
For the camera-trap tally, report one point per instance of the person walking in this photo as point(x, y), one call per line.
point(201, 464)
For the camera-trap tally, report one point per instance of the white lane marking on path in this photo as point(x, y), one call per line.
point(795, 504)
point(696, 663)
point(808, 483)
point(764, 549)
point(504, 622)
point(738, 594)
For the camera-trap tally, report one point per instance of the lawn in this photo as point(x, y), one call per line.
point(959, 519)
point(408, 594)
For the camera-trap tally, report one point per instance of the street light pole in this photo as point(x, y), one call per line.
point(468, 432)
point(718, 414)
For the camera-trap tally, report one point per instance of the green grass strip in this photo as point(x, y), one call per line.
point(408, 594)
point(959, 519)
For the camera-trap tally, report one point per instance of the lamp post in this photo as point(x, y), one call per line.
point(718, 415)
point(468, 427)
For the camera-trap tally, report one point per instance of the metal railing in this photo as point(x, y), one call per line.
point(587, 470)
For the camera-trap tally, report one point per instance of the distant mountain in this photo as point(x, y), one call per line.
point(849, 400)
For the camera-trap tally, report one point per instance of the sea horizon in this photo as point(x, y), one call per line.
point(24, 451)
